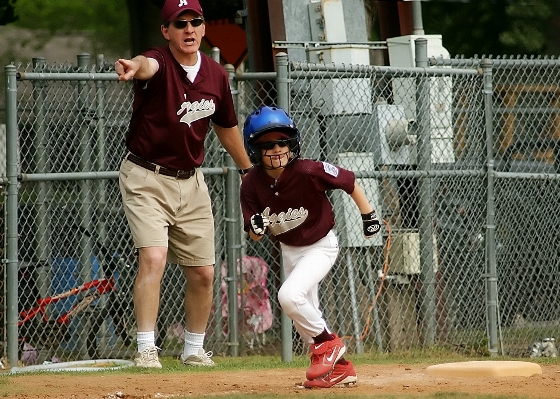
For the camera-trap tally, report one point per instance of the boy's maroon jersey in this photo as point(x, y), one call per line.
point(297, 205)
point(171, 115)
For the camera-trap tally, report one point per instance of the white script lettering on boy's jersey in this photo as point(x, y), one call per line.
point(285, 221)
point(196, 110)
point(330, 169)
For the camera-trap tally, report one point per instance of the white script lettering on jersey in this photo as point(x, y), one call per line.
point(330, 169)
point(196, 110)
point(285, 221)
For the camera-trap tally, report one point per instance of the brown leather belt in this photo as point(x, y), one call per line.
point(179, 174)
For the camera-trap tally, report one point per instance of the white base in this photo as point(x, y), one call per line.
point(487, 368)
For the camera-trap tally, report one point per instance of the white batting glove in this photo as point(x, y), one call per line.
point(259, 224)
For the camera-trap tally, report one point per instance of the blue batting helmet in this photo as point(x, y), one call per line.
point(269, 119)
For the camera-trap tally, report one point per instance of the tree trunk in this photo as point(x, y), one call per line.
point(145, 23)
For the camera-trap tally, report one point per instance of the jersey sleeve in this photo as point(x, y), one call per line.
point(331, 177)
point(154, 80)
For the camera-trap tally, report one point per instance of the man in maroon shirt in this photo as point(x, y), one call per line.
point(287, 196)
point(178, 91)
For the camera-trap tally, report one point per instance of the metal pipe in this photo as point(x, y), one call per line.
point(373, 289)
point(100, 156)
point(66, 76)
point(83, 115)
point(283, 91)
point(425, 222)
point(233, 245)
point(354, 303)
point(96, 175)
point(417, 25)
point(305, 70)
point(220, 218)
point(250, 76)
point(11, 215)
point(215, 54)
point(497, 63)
point(29, 177)
point(491, 268)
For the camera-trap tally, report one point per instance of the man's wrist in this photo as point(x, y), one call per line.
point(245, 171)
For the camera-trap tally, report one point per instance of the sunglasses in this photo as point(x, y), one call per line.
point(182, 23)
point(269, 145)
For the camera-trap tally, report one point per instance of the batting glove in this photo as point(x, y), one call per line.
point(259, 223)
point(371, 224)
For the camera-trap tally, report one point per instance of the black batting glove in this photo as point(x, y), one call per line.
point(259, 223)
point(371, 224)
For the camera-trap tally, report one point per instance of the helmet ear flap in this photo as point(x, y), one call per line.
point(254, 154)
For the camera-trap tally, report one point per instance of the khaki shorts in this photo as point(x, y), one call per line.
point(167, 212)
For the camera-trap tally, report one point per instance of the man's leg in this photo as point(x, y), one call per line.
point(146, 296)
point(198, 304)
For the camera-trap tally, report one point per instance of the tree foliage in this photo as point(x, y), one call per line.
point(106, 20)
point(7, 12)
point(469, 27)
point(498, 27)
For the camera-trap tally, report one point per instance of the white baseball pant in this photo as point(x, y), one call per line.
point(304, 268)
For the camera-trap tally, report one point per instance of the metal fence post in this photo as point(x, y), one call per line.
point(425, 222)
point(11, 213)
point(101, 147)
point(283, 91)
point(84, 116)
point(220, 210)
point(100, 154)
point(233, 242)
point(491, 269)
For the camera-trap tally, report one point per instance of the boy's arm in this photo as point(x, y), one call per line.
point(371, 224)
point(360, 199)
point(254, 236)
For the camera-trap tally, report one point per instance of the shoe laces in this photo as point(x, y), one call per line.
point(150, 353)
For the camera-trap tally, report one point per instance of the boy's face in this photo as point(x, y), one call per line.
point(275, 150)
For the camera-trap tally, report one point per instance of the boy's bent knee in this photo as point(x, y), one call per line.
point(287, 301)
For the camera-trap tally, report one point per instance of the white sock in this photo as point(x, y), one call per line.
point(145, 340)
point(193, 342)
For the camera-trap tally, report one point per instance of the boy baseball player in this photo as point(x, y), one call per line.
point(286, 196)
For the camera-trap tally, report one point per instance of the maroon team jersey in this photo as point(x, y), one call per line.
point(297, 205)
point(171, 115)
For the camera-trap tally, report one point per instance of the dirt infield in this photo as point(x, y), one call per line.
point(409, 380)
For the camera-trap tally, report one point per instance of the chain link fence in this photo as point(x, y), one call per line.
point(458, 157)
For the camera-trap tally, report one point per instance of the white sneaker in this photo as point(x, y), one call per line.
point(148, 358)
point(201, 359)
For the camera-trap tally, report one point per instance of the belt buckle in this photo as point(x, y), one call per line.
point(184, 174)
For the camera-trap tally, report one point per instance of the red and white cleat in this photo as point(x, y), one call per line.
point(324, 356)
point(342, 375)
